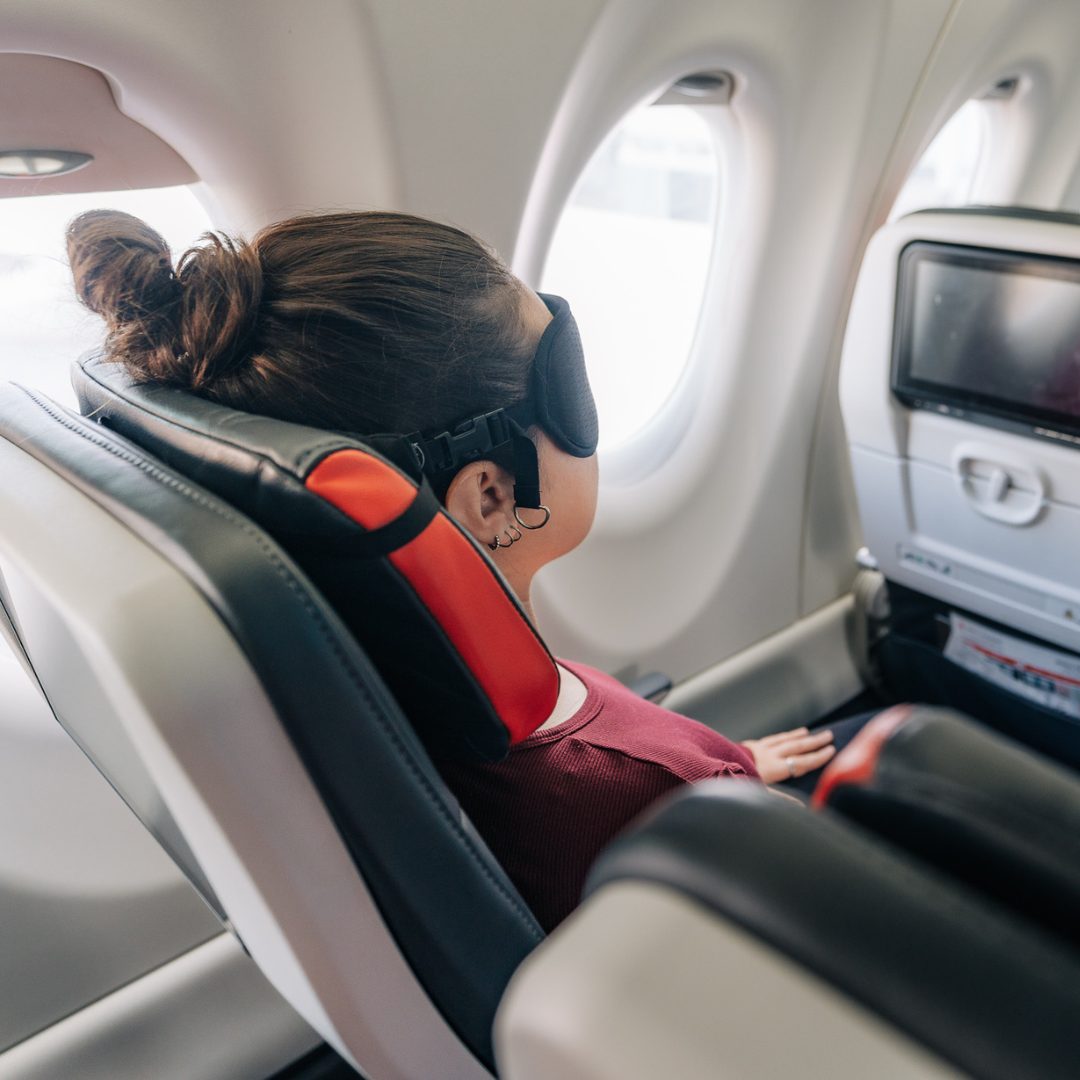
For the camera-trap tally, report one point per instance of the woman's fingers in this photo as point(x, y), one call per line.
point(780, 736)
point(804, 763)
point(790, 753)
point(803, 744)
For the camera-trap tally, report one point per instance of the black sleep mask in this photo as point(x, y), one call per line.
point(560, 400)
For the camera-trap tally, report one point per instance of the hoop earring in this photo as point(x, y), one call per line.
point(533, 528)
point(513, 539)
point(496, 543)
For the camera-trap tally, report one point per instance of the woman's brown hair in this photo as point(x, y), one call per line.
point(361, 322)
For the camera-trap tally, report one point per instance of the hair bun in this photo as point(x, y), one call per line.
point(221, 283)
point(122, 268)
point(190, 328)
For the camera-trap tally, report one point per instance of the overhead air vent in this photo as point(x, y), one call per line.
point(1002, 89)
point(26, 164)
point(701, 88)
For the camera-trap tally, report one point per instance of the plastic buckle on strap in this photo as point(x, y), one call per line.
point(471, 441)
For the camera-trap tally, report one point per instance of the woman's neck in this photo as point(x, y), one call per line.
point(519, 578)
point(572, 694)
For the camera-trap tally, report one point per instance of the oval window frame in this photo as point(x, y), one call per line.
point(1007, 116)
point(652, 444)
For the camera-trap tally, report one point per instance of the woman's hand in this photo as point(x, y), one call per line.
point(790, 753)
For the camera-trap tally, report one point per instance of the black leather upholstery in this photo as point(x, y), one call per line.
point(458, 920)
point(255, 463)
point(981, 987)
point(259, 465)
point(980, 807)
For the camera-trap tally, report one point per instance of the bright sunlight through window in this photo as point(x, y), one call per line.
point(631, 254)
point(42, 326)
point(948, 171)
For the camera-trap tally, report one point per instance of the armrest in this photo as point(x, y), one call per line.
point(981, 988)
point(972, 802)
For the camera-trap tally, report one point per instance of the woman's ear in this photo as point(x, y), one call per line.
point(481, 500)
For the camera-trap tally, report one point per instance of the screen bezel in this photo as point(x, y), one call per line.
point(970, 405)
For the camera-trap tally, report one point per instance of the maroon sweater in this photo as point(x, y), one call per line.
point(561, 794)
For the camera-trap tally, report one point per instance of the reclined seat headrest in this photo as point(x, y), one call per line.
point(426, 603)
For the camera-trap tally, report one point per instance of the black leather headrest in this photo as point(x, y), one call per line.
point(256, 463)
point(432, 611)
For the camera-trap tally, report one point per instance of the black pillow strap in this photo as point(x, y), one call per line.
point(407, 526)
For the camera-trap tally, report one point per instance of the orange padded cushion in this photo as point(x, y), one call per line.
point(371, 492)
point(456, 584)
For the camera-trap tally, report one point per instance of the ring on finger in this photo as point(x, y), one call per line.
point(790, 767)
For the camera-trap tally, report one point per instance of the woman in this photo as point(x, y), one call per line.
point(379, 322)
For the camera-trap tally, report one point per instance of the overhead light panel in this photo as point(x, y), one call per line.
point(29, 164)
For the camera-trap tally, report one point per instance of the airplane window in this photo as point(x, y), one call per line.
point(948, 171)
point(631, 253)
point(42, 326)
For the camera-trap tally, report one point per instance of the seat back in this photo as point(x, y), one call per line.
point(307, 800)
point(960, 391)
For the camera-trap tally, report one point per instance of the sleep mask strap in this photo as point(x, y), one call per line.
point(560, 401)
point(478, 438)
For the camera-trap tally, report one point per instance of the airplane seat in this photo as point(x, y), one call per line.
point(975, 805)
point(960, 394)
point(192, 658)
point(731, 910)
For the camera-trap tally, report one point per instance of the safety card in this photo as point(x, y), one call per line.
point(1040, 674)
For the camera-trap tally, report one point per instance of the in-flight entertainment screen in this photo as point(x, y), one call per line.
point(992, 336)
